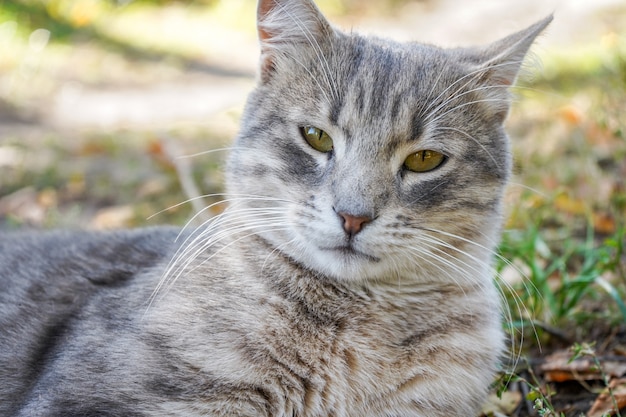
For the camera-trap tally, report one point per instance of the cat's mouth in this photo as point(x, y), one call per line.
point(349, 252)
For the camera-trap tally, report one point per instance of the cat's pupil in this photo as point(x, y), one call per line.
point(317, 139)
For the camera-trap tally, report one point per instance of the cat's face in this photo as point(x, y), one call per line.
point(367, 159)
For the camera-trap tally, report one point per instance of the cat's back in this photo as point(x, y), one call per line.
point(53, 282)
point(38, 268)
point(81, 253)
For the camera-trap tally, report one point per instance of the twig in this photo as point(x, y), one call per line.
point(185, 176)
point(558, 333)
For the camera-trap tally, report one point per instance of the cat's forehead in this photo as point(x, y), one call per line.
point(391, 70)
point(397, 62)
point(387, 86)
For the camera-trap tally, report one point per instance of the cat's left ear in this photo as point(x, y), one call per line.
point(288, 28)
point(500, 62)
point(503, 59)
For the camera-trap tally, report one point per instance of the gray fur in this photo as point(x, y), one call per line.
point(272, 309)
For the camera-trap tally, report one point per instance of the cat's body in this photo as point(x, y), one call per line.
point(298, 345)
point(349, 277)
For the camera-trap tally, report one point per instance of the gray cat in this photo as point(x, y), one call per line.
point(350, 275)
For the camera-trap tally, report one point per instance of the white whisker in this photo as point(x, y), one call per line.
point(529, 188)
point(469, 103)
point(498, 281)
point(215, 150)
point(200, 197)
point(212, 232)
point(472, 77)
point(467, 135)
point(326, 72)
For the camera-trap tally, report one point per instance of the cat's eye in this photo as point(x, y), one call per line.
point(317, 138)
point(424, 161)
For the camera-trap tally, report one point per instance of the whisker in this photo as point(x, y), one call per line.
point(472, 77)
point(215, 150)
point(460, 106)
point(447, 263)
point(235, 198)
point(276, 249)
point(430, 93)
point(473, 139)
point(210, 243)
point(425, 195)
point(316, 48)
point(313, 77)
point(498, 256)
point(200, 197)
point(218, 221)
point(529, 188)
point(230, 221)
point(437, 242)
point(182, 261)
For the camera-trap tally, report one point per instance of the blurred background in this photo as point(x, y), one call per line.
point(108, 109)
point(98, 97)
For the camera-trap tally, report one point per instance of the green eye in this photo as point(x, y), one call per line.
point(424, 161)
point(317, 138)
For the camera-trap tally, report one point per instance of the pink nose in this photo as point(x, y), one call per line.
point(353, 224)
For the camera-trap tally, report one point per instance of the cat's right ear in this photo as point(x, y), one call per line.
point(286, 29)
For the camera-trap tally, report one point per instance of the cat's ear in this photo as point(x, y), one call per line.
point(504, 58)
point(286, 27)
point(500, 62)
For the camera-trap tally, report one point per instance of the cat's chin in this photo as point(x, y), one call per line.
point(349, 252)
point(345, 264)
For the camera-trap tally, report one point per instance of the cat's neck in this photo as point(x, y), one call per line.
point(330, 298)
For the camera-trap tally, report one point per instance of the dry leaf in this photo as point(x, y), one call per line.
point(559, 367)
point(570, 205)
point(506, 405)
point(604, 403)
point(571, 114)
point(156, 148)
point(113, 218)
point(604, 223)
point(25, 205)
point(92, 147)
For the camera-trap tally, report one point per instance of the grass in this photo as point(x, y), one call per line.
point(566, 229)
point(560, 278)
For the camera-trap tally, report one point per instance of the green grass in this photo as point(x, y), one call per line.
point(567, 226)
point(560, 275)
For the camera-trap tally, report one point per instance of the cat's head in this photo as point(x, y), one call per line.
point(362, 158)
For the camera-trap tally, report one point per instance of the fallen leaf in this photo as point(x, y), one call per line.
point(157, 149)
point(567, 204)
point(604, 223)
point(604, 404)
point(506, 404)
point(48, 198)
point(155, 186)
point(571, 114)
point(92, 147)
point(559, 367)
point(23, 204)
point(113, 217)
